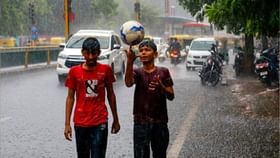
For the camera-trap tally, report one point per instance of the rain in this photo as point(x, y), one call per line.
point(236, 117)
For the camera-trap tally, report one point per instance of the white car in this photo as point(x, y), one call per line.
point(111, 54)
point(198, 52)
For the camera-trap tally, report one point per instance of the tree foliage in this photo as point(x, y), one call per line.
point(107, 11)
point(149, 18)
point(194, 6)
point(257, 18)
point(15, 19)
point(11, 15)
point(251, 17)
point(49, 15)
point(89, 14)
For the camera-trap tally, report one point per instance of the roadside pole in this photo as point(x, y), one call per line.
point(66, 20)
point(137, 10)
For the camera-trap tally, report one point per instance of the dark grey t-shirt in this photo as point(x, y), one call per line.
point(150, 106)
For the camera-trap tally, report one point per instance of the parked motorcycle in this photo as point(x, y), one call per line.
point(266, 66)
point(211, 71)
point(238, 61)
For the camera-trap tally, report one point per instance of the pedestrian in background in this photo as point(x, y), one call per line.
point(88, 82)
point(154, 86)
point(34, 35)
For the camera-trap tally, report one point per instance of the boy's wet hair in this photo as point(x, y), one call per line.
point(91, 45)
point(148, 43)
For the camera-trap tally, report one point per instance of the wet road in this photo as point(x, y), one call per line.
point(203, 121)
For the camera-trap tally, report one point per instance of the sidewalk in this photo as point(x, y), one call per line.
point(255, 98)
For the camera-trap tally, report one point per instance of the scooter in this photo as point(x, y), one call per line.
point(266, 67)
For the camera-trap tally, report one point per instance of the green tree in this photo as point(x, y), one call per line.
point(106, 10)
point(44, 18)
point(12, 17)
point(123, 14)
point(15, 19)
point(149, 18)
point(89, 14)
point(232, 15)
point(195, 6)
point(105, 13)
point(253, 18)
point(93, 14)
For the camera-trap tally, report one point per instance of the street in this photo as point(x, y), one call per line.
point(203, 121)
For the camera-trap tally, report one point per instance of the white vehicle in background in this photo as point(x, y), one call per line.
point(111, 54)
point(161, 48)
point(159, 43)
point(198, 52)
point(157, 40)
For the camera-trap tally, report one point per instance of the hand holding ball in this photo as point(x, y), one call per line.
point(132, 32)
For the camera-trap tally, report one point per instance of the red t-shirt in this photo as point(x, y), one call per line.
point(90, 109)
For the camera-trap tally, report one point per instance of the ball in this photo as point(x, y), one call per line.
point(132, 32)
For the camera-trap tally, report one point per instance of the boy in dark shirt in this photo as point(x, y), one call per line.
point(153, 86)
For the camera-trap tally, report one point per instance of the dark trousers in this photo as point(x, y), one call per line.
point(91, 141)
point(154, 135)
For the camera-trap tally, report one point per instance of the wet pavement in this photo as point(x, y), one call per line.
point(255, 98)
point(239, 119)
point(246, 122)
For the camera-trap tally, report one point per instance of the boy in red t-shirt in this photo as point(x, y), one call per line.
point(87, 83)
point(153, 86)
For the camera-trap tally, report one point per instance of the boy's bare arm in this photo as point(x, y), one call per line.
point(113, 105)
point(169, 92)
point(129, 78)
point(68, 111)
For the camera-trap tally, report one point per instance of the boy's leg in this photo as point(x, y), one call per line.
point(159, 140)
point(98, 140)
point(82, 141)
point(141, 140)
